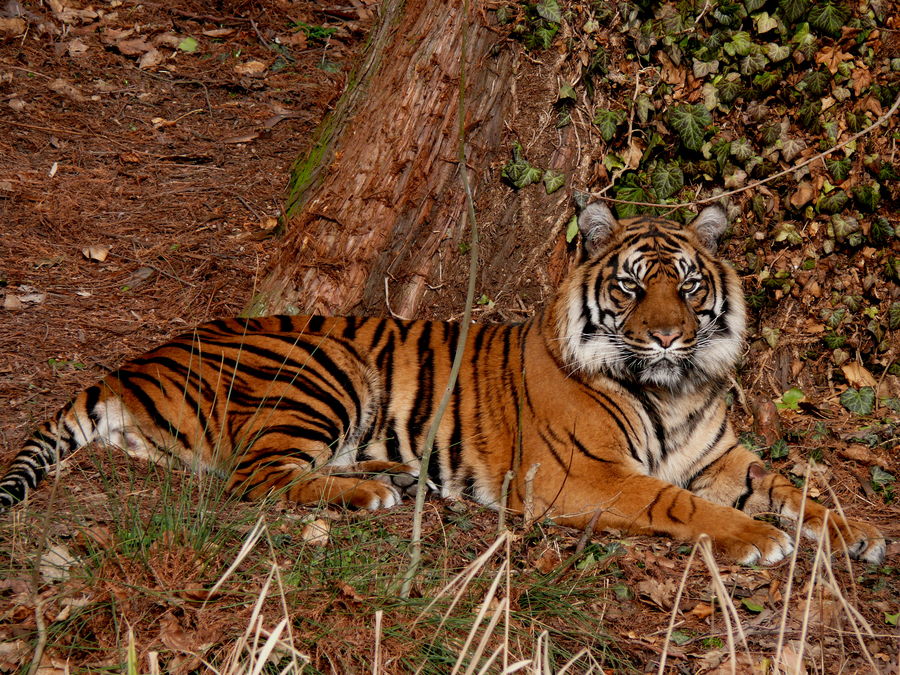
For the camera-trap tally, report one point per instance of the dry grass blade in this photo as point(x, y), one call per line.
point(249, 543)
point(675, 604)
point(482, 611)
point(463, 579)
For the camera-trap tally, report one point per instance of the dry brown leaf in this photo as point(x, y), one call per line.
point(134, 46)
point(76, 47)
point(831, 57)
point(111, 36)
point(702, 610)
point(803, 195)
point(151, 59)
point(316, 532)
point(12, 303)
point(12, 27)
point(251, 68)
point(857, 375)
point(858, 453)
point(219, 32)
point(96, 252)
point(67, 89)
point(862, 80)
point(297, 40)
point(55, 563)
point(547, 561)
point(660, 593)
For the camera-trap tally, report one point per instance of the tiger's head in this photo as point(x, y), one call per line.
point(652, 305)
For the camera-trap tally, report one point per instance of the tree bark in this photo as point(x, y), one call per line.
point(371, 203)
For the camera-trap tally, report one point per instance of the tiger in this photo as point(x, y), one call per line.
point(613, 398)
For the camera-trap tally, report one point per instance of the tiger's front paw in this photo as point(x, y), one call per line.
point(861, 540)
point(752, 542)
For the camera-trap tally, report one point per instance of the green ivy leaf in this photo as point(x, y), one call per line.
point(680, 637)
point(730, 88)
point(188, 44)
point(752, 605)
point(549, 10)
point(891, 619)
point(630, 193)
point(690, 121)
point(740, 44)
point(867, 196)
point(553, 180)
point(704, 68)
point(567, 94)
point(842, 227)
point(805, 41)
point(833, 202)
point(880, 477)
point(779, 449)
point(518, 172)
point(839, 168)
point(893, 315)
point(792, 10)
point(816, 82)
point(667, 179)
point(859, 401)
point(790, 400)
point(764, 22)
point(754, 62)
point(767, 80)
point(572, 229)
point(608, 121)
point(828, 17)
point(777, 52)
point(753, 5)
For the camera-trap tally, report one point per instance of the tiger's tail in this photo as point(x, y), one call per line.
point(73, 427)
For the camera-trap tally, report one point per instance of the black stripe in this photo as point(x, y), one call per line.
point(315, 324)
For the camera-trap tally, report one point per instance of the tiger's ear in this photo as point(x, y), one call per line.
point(709, 225)
point(596, 223)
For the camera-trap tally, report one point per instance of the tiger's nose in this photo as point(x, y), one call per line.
point(665, 337)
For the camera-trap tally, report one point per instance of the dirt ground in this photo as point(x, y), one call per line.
point(144, 153)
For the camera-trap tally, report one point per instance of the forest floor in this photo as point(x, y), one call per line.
point(144, 154)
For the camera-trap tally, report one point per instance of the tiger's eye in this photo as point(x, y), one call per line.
point(629, 285)
point(690, 286)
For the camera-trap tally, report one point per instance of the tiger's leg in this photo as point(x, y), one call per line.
point(281, 462)
point(642, 504)
point(739, 479)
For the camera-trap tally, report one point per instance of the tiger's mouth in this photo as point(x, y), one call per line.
point(665, 369)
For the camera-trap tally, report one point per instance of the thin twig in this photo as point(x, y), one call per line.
point(415, 555)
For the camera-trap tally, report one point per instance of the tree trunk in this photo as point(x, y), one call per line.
point(371, 203)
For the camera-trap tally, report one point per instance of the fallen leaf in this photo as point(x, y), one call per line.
point(803, 195)
point(12, 27)
point(12, 303)
point(660, 593)
point(220, 32)
point(862, 80)
point(857, 375)
point(316, 532)
point(858, 453)
point(67, 89)
point(251, 68)
point(151, 59)
point(55, 563)
point(17, 104)
point(76, 47)
point(96, 252)
point(831, 57)
point(702, 610)
point(134, 46)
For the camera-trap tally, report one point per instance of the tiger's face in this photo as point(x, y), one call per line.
point(652, 306)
